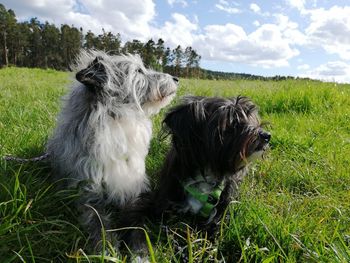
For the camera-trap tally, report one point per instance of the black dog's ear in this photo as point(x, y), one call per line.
point(188, 126)
point(94, 76)
point(173, 119)
point(186, 117)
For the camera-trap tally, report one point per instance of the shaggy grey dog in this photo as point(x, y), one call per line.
point(103, 132)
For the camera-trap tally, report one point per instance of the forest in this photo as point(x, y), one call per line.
point(44, 45)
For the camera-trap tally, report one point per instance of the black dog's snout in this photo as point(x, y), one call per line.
point(176, 79)
point(266, 136)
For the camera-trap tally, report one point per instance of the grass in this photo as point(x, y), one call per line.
point(294, 205)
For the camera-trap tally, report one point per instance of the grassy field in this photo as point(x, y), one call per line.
point(294, 205)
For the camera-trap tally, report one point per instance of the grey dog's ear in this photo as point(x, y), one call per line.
point(94, 76)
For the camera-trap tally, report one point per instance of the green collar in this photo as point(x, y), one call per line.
point(206, 192)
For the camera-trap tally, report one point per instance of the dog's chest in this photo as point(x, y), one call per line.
point(138, 134)
point(202, 195)
point(123, 148)
point(125, 138)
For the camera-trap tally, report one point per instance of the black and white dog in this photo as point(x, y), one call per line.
point(213, 141)
point(104, 130)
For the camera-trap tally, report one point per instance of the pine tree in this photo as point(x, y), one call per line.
point(70, 44)
point(21, 44)
point(178, 56)
point(51, 46)
point(159, 53)
point(133, 47)
point(35, 43)
point(149, 55)
point(7, 28)
point(90, 40)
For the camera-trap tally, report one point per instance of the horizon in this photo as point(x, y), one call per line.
point(301, 38)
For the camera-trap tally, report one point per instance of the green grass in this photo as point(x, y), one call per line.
point(294, 205)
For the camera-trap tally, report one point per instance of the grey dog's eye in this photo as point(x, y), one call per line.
point(140, 71)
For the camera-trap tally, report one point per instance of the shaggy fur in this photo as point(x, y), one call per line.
point(212, 138)
point(103, 132)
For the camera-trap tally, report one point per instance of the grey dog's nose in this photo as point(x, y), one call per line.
point(176, 79)
point(266, 136)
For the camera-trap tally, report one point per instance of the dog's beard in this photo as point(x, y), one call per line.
point(153, 107)
point(257, 155)
point(160, 94)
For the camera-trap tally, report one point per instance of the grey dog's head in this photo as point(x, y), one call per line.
point(217, 133)
point(123, 79)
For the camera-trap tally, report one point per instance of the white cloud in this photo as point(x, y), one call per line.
point(264, 47)
point(228, 9)
point(255, 8)
point(284, 23)
point(181, 2)
point(224, 5)
point(298, 4)
point(303, 67)
point(131, 18)
point(334, 68)
point(337, 71)
point(256, 23)
point(331, 29)
point(290, 30)
point(223, 2)
point(178, 31)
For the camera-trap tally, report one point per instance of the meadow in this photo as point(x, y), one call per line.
point(294, 205)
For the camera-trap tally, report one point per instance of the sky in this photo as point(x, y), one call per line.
point(305, 38)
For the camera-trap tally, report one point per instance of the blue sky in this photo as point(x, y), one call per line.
point(288, 37)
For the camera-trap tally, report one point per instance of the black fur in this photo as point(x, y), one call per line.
point(94, 76)
point(213, 136)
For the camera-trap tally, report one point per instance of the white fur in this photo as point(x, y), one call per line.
point(119, 152)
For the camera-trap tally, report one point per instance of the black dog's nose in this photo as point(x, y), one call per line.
point(266, 136)
point(176, 79)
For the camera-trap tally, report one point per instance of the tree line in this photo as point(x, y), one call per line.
point(44, 45)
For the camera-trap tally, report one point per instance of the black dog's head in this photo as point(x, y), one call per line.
point(219, 134)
